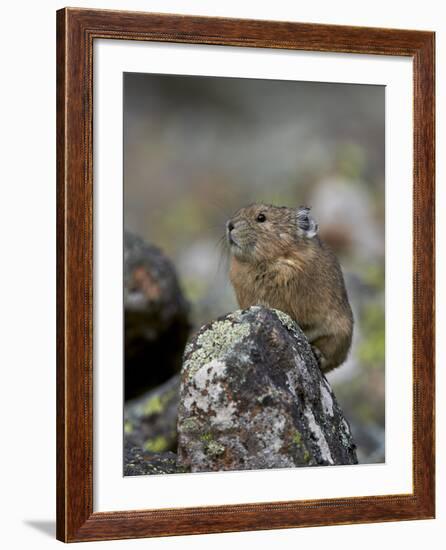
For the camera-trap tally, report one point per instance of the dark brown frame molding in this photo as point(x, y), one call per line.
point(76, 31)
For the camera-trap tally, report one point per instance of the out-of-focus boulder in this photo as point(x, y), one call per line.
point(156, 317)
point(150, 421)
point(138, 462)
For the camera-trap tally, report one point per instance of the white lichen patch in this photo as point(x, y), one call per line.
point(207, 392)
point(197, 399)
point(320, 438)
point(212, 370)
point(269, 425)
point(271, 437)
point(326, 399)
point(225, 415)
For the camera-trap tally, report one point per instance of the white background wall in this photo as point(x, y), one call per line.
point(27, 284)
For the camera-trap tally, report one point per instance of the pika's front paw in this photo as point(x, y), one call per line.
point(321, 361)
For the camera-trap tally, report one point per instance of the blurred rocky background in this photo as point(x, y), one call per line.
point(195, 150)
point(156, 324)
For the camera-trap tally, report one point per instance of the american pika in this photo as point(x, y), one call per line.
point(279, 261)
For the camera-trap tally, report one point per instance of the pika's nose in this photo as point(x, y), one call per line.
point(230, 226)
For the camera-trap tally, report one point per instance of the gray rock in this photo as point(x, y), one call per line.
point(150, 421)
point(138, 462)
point(252, 396)
point(156, 317)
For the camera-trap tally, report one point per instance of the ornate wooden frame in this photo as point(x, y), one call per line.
point(76, 31)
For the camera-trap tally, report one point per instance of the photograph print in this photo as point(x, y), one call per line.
point(254, 271)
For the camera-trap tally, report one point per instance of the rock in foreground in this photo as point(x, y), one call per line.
point(252, 396)
point(138, 462)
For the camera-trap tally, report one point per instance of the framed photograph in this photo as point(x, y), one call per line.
point(245, 245)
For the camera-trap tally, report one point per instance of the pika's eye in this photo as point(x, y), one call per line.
point(261, 218)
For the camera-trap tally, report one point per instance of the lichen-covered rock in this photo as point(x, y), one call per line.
point(138, 462)
point(150, 421)
point(156, 317)
point(252, 396)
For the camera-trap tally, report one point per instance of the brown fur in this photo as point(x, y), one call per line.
point(281, 263)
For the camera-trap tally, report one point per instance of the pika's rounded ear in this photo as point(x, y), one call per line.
point(306, 225)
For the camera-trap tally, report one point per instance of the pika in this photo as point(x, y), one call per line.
point(278, 260)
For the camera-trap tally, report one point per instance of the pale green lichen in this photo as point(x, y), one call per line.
point(297, 438)
point(214, 449)
point(218, 340)
point(190, 424)
point(286, 320)
point(157, 444)
point(153, 406)
point(157, 403)
point(128, 427)
point(237, 315)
